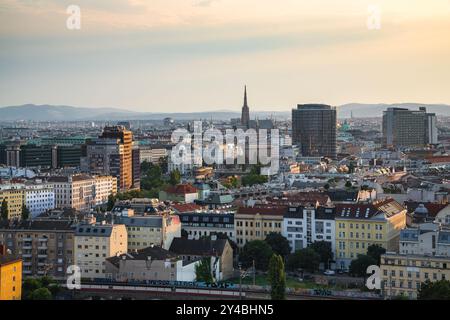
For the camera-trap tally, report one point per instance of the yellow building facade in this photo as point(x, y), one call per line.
point(10, 278)
point(360, 225)
point(404, 274)
point(255, 223)
point(15, 199)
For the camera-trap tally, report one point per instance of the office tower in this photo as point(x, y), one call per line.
point(408, 128)
point(245, 117)
point(111, 154)
point(314, 130)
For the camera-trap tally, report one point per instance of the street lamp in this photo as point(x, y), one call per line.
point(240, 281)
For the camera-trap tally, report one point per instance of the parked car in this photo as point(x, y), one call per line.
point(329, 272)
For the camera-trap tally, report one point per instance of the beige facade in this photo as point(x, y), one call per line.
point(256, 223)
point(158, 230)
point(404, 274)
point(75, 191)
point(96, 242)
point(104, 187)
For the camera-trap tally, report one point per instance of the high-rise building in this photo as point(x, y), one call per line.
point(111, 154)
point(245, 117)
point(314, 130)
point(136, 164)
point(408, 128)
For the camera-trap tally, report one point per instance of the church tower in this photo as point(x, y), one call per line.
point(245, 117)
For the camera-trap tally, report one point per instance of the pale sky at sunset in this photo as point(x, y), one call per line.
point(197, 55)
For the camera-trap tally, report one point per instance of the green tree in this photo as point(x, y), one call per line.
point(258, 251)
point(5, 211)
point(25, 212)
point(438, 290)
point(323, 248)
point(203, 272)
point(175, 177)
point(252, 179)
point(278, 243)
point(306, 259)
point(41, 294)
point(111, 202)
point(348, 184)
point(277, 278)
point(358, 266)
point(375, 251)
point(326, 186)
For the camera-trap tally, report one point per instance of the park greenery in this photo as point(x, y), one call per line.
point(44, 288)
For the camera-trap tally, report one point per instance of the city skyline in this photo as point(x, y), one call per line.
point(127, 53)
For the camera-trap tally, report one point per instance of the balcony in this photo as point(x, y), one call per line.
point(42, 255)
point(26, 255)
point(27, 263)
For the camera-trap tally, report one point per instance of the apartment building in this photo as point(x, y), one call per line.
point(144, 231)
point(39, 197)
point(96, 242)
point(360, 225)
point(200, 224)
point(45, 246)
point(218, 250)
point(74, 191)
point(185, 193)
point(150, 264)
point(427, 239)
point(255, 223)
point(104, 186)
point(404, 274)
point(14, 197)
point(152, 153)
point(305, 225)
point(10, 275)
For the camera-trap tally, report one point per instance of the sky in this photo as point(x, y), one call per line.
point(197, 55)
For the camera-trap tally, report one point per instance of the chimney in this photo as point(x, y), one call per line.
point(3, 250)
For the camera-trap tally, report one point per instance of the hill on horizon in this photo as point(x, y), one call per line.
point(68, 113)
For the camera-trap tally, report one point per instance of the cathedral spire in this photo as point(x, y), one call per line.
point(245, 117)
point(245, 96)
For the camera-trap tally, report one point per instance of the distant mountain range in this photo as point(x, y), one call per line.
point(67, 113)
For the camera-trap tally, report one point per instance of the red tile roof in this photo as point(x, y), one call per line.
point(440, 159)
point(186, 207)
point(433, 208)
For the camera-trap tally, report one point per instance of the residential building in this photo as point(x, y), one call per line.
point(427, 239)
point(404, 274)
point(150, 264)
point(185, 193)
point(305, 225)
point(104, 186)
point(10, 275)
point(362, 224)
point(219, 251)
point(45, 246)
point(39, 197)
point(152, 153)
point(14, 197)
point(144, 231)
point(314, 130)
point(74, 191)
point(96, 242)
point(201, 224)
point(255, 223)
